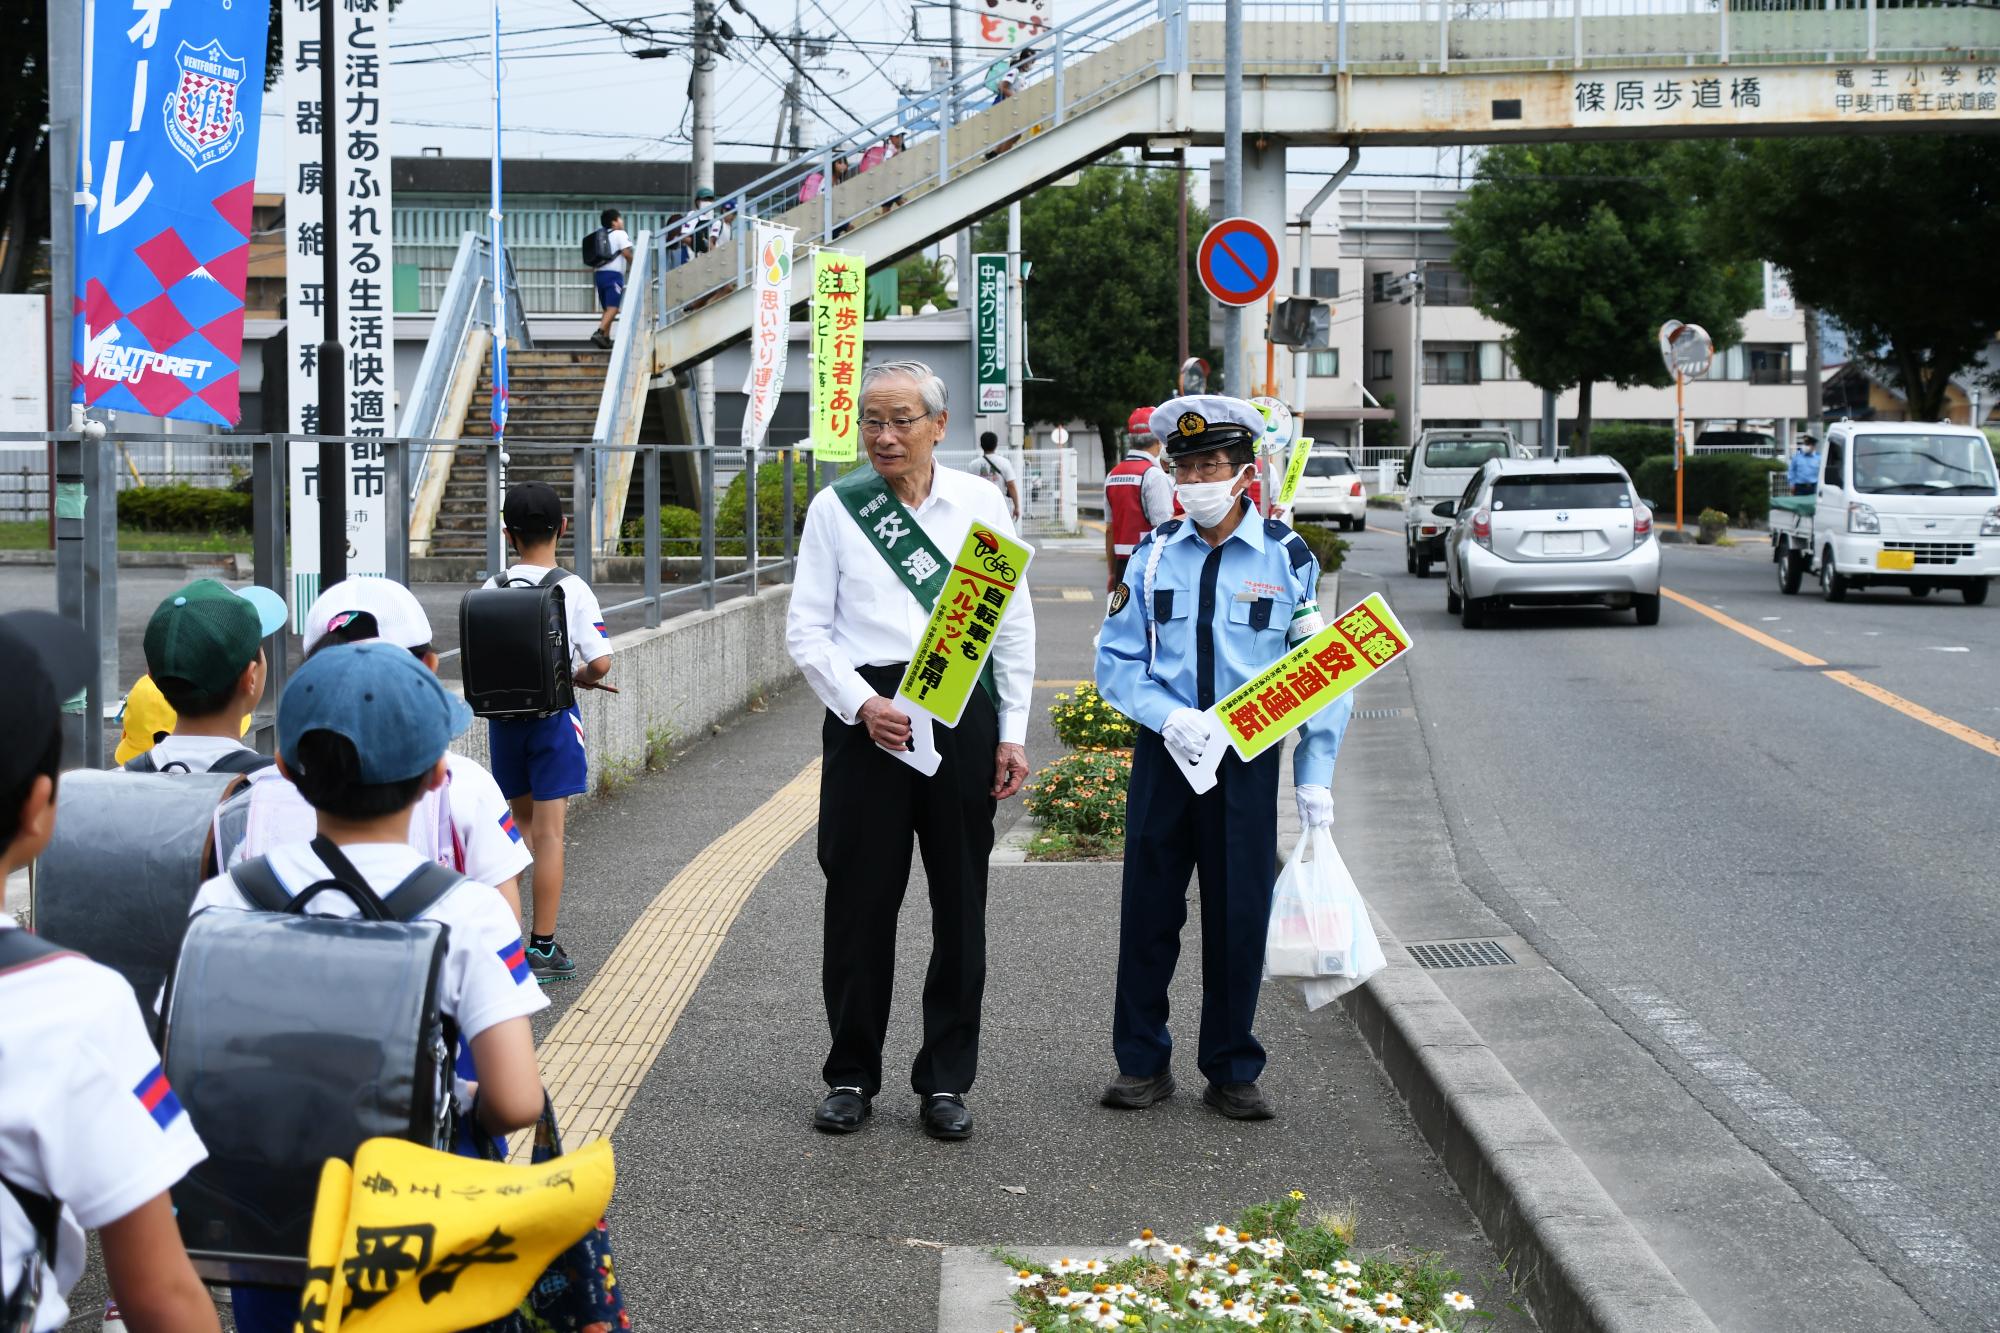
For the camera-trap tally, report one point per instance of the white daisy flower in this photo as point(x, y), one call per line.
point(1064, 1267)
point(1210, 1260)
point(1179, 1254)
point(1313, 1274)
point(1346, 1268)
point(1024, 1278)
point(1458, 1300)
point(1094, 1266)
point(1145, 1240)
point(1271, 1248)
point(1388, 1301)
point(1220, 1234)
point(1204, 1297)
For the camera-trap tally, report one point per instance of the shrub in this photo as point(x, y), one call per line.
point(1085, 721)
point(1632, 443)
point(1331, 550)
point(184, 508)
point(1083, 793)
point(770, 507)
point(1736, 484)
point(680, 532)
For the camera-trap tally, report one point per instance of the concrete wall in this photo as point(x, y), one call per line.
point(674, 681)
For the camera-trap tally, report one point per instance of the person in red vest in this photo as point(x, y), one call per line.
point(1138, 495)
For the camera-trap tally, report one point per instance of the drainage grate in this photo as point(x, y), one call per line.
point(1461, 953)
point(1376, 714)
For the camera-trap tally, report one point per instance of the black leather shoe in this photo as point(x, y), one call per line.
point(1131, 1092)
point(945, 1116)
point(843, 1111)
point(1239, 1101)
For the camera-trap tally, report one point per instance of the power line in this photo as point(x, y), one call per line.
point(804, 73)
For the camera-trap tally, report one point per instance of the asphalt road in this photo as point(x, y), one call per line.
point(1777, 885)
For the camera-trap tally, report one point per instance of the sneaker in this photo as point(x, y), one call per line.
point(550, 964)
point(600, 339)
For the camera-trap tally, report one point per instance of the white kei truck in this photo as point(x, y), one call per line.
point(1899, 504)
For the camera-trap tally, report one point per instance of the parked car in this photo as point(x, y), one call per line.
point(1436, 468)
point(1899, 505)
point(1550, 532)
point(1331, 488)
point(1761, 443)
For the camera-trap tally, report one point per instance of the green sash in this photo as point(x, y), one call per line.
point(902, 543)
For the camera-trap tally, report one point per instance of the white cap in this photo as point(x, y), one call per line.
point(399, 616)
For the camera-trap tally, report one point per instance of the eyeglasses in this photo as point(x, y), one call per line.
point(1208, 468)
point(876, 425)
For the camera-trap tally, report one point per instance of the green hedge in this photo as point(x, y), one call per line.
point(1736, 484)
point(183, 508)
point(1331, 550)
point(680, 527)
point(1631, 442)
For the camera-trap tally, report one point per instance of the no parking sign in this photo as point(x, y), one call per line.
point(1238, 261)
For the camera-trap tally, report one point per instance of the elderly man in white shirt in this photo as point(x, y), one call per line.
point(860, 600)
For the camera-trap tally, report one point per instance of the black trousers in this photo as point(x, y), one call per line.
point(871, 808)
point(1229, 834)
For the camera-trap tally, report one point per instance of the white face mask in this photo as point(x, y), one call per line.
point(1208, 502)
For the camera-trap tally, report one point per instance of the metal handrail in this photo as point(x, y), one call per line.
point(465, 306)
point(631, 356)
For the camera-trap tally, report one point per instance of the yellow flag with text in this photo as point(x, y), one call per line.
point(839, 307)
point(411, 1240)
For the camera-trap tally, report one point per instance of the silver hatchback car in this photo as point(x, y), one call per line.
point(1550, 532)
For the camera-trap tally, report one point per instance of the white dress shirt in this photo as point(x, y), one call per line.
point(849, 609)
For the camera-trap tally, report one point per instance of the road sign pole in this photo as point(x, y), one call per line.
point(1680, 443)
point(1235, 375)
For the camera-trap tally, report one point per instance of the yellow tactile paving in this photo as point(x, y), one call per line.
point(602, 1049)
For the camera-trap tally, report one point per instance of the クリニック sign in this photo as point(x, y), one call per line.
point(990, 331)
point(163, 223)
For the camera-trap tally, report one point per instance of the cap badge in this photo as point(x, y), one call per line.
point(1191, 423)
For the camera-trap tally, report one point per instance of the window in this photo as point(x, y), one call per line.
point(1445, 286)
point(1326, 283)
point(1325, 363)
point(1493, 362)
point(1450, 452)
point(1770, 363)
point(1833, 471)
point(1379, 286)
point(1562, 490)
point(1328, 465)
point(1382, 363)
point(1922, 464)
point(1727, 364)
point(1451, 363)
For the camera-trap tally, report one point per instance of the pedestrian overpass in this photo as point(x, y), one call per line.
point(1315, 73)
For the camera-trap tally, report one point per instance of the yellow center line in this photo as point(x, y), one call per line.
point(1958, 731)
point(602, 1049)
point(1386, 532)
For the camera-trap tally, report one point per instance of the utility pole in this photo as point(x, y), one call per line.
point(1016, 324)
point(1416, 299)
point(332, 354)
point(1815, 413)
point(701, 93)
point(1235, 374)
point(1181, 258)
point(962, 265)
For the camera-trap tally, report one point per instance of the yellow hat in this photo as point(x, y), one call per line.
point(147, 717)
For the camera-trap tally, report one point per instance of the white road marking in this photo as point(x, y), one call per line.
point(1942, 648)
point(1770, 617)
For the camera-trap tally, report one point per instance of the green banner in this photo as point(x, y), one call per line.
point(989, 328)
point(838, 312)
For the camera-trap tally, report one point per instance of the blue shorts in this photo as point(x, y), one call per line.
point(540, 756)
point(610, 287)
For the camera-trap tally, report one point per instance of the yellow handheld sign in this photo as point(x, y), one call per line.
point(1279, 699)
point(956, 643)
point(1295, 469)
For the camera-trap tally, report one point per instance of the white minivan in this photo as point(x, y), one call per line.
point(1435, 470)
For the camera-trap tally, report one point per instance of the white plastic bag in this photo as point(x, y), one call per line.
point(1320, 935)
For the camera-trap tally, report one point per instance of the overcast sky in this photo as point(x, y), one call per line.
point(572, 88)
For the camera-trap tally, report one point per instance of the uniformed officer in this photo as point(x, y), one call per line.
point(1208, 601)
point(1137, 495)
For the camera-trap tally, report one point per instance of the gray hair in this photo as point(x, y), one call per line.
point(929, 387)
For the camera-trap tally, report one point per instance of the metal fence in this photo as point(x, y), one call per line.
point(166, 460)
point(1048, 479)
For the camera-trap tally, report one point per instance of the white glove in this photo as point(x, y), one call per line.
point(1186, 733)
point(1315, 806)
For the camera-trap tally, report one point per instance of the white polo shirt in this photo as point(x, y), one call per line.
point(86, 1116)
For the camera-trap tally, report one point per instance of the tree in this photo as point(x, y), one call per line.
point(24, 145)
point(1585, 249)
point(920, 280)
point(1101, 307)
point(1891, 236)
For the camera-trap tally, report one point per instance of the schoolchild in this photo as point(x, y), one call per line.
point(540, 762)
point(465, 824)
point(362, 733)
point(91, 1135)
point(205, 652)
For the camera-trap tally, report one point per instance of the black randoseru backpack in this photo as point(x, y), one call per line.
point(597, 248)
point(292, 1038)
point(514, 656)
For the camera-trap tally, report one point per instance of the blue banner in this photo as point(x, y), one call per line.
point(163, 232)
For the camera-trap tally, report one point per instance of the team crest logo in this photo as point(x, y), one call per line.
point(203, 123)
point(1191, 423)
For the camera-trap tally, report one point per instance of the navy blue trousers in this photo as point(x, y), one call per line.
point(1230, 835)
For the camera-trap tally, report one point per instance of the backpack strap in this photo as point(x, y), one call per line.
point(44, 1215)
point(23, 948)
point(421, 890)
point(240, 761)
point(142, 763)
point(553, 577)
point(255, 880)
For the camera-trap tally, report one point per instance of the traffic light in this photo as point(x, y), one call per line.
point(1302, 323)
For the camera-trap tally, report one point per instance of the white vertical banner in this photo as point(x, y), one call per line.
point(1778, 301)
point(360, 120)
point(770, 330)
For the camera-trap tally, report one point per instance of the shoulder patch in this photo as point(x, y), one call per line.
point(1119, 596)
point(1276, 527)
point(1168, 528)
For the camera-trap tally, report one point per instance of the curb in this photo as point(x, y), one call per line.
point(1582, 1263)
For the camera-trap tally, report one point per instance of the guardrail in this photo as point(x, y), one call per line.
point(84, 500)
point(466, 306)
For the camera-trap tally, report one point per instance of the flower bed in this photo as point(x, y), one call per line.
point(1273, 1269)
point(1083, 720)
point(1080, 798)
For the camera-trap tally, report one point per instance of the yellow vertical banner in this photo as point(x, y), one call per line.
point(964, 624)
point(1295, 469)
point(840, 282)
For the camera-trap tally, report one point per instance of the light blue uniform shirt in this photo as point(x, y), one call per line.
point(1804, 467)
point(1222, 614)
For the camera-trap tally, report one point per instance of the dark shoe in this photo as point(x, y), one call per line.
point(550, 964)
point(1130, 1092)
point(600, 339)
point(843, 1111)
point(1238, 1101)
point(945, 1116)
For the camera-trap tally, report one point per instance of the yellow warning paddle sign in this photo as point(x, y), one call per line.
point(1278, 700)
point(953, 651)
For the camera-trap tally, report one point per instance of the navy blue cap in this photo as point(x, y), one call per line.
point(378, 696)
